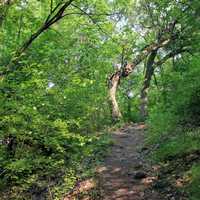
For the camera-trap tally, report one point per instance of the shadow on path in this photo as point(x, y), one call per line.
point(124, 173)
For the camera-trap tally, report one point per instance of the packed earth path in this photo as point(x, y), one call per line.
point(126, 173)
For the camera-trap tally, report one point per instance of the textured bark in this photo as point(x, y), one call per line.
point(113, 85)
point(151, 64)
point(148, 75)
point(125, 71)
point(148, 49)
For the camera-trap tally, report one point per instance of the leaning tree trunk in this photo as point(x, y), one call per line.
point(128, 69)
point(144, 92)
point(149, 51)
point(113, 84)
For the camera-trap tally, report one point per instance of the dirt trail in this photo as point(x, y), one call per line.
point(125, 175)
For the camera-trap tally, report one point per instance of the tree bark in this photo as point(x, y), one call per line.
point(113, 85)
point(126, 70)
point(148, 75)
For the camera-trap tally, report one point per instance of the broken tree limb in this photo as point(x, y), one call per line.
point(114, 79)
point(113, 85)
point(149, 49)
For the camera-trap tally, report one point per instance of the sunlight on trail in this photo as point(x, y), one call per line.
point(81, 188)
point(124, 173)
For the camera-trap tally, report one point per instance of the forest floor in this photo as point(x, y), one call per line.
point(126, 173)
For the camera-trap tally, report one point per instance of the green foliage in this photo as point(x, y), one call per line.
point(174, 115)
point(56, 100)
point(182, 142)
point(194, 186)
point(174, 102)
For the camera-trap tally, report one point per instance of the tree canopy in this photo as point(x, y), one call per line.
point(69, 69)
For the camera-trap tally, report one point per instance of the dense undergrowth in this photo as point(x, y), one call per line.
point(48, 134)
point(52, 106)
point(57, 58)
point(174, 119)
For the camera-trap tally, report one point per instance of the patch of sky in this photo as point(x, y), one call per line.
point(50, 84)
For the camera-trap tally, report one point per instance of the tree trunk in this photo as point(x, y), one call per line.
point(126, 71)
point(144, 92)
point(114, 82)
